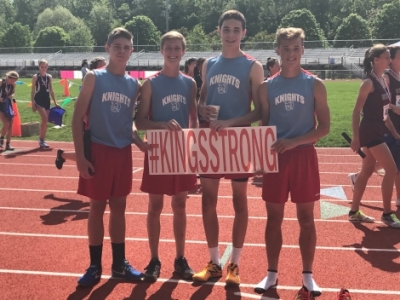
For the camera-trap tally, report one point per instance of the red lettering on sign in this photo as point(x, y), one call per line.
point(244, 135)
point(193, 168)
point(271, 165)
point(213, 134)
point(163, 152)
point(223, 134)
point(203, 136)
point(180, 150)
point(233, 149)
point(154, 152)
point(171, 151)
point(257, 147)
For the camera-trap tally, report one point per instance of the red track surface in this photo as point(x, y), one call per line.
point(43, 247)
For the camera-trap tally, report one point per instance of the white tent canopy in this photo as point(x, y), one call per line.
point(395, 44)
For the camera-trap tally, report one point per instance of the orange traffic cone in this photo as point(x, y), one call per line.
point(16, 126)
point(66, 88)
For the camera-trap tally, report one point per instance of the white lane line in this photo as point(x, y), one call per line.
point(36, 235)
point(76, 177)
point(86, 211)
point(221, 284)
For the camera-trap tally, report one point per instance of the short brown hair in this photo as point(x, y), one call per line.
point(119, 32)
point(232, 14)
point(393, 50)
point(42, 61)
point(12, 75)
point(95, 61)
point(289, 33)
point(173, 35)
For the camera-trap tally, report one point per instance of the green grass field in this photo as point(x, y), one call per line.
point(341, 98)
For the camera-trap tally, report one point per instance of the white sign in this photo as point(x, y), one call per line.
point(205, 151)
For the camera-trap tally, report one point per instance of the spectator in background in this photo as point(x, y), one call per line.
point(273, 66)
point(84, 68)
point(190, 65)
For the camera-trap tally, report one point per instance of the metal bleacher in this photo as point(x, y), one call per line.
point(142, 59)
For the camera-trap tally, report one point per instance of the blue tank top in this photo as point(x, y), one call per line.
point(228, 85)
point(171, 98)
point(291, 102)
point(111, 109)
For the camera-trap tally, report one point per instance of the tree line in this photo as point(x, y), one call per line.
point(66, 24)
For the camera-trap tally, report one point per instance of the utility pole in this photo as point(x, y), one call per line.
point(167, 15)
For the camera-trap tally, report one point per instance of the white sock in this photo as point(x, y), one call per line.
point(269, 281)
point(236, 252)
point(214, 255)
point(310, 284)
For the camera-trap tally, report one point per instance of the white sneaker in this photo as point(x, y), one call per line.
point(391, 220)
point(359, 216)
point(380, 172)
point(352, 177)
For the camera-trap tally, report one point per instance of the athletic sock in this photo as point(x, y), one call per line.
point(95, 255)
point(118, 254)
point(214, 255)
point(236, 252)
point(309, 282)
point(269, 281)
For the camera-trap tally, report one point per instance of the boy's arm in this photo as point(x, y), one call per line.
point(52, 91)
point(205, 111)
point(323, 120)
point(135, 136)
point(264, 104)
point(256, 79)
point(193, 118)
point(142, 117)
point(81, 107)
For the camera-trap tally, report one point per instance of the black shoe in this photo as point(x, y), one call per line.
point(181, 267)
point(60, 160)
point(153, 270)
point(8, 147)
point(1, 142)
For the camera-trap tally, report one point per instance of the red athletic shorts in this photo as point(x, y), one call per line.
point(113, 173)
point(298, 174)
point(166, 184)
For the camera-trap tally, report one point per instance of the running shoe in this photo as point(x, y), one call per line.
point(210, 271)
point(91, 277)
point(232, 278)
point(391, 220)
point(304, 294)
point(359, 216)
point(59, 159)
point(344, 295)
point(126, 272)
point(153, 270)
point(182, 268)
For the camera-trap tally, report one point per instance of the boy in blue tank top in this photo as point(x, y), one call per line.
point(229, 81)
point(156, 113)
point(110, 95)
point(290, 101)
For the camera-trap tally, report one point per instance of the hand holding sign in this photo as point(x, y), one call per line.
point(172, 125)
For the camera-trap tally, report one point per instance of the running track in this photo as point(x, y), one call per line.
point(43, 247)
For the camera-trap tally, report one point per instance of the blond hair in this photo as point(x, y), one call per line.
point(119, 32)
point(12, 75)
point(42, 61)
point(289, 33)
point(173, 35)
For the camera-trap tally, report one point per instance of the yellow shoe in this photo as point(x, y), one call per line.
point(232, 278)
point(210, 271)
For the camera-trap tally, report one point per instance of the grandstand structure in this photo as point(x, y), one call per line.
point(315, 59)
